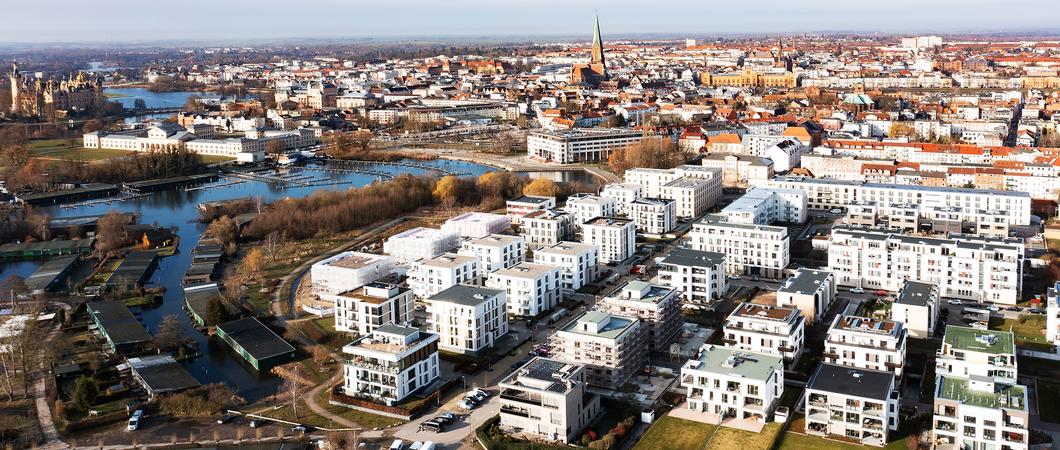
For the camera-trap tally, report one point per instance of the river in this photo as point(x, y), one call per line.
point(128, 96)
point(177, 208)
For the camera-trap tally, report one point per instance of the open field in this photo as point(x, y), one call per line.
point(671, 433)
point(70, 150)
point(733, 439)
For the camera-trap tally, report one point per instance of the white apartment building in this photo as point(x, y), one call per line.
point(622, 194)
point(546, 227)
point(581, 144)
point(978, 403)
point(467, 319)
point(767, 206)
point(866, 343)
point(389, 364)
point(852, 403)
point(547, 397)
point(826, 194)
point(811, 291)
point(658, 308)
point(520, 207)
point(693, 196)
point(587, 206)
point(531, 289)
point(733, 383)
point(759, 250)
point(776, 330)
point(495, 251)
point(431, 276)
point(477, 224)
point(978, 268)
point(698, 276)
point(368, 307)
point(420, 243)
point(347, 271)
point(579, 264)
point(917, 306)
point(615, 237)
point(655, 216)
point(738, 170)
point(613, 348)
point(1052, 314)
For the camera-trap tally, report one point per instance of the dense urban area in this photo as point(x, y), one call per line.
point(797, 241)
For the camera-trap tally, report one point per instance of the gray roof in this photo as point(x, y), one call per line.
point(845, 380)
point(256, 338)
point(805, 281)
point(693, 258)
point(49, 272)
point(731, 361)
point(916, 293)
point(466, 295)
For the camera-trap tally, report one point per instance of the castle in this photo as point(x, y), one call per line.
point(596, 70)
point(32, 96)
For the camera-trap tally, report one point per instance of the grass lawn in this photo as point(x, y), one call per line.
point(326, 324)
point(796, 441)
point(1048, 394)
point(669, 433)
point(65, 149)
point(211, 159)
point(364, 419)
point(1029, 330)
point(732, 439)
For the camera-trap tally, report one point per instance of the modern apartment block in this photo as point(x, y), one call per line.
point(587, 206)
point(420, 243)
point(579, 264)
point(967, 267)
point(767, 206)
point(622, 194)
point(390, 363)
point(811, 291)
point(467, 319)
point(373, 305)
point(520, 207)
point(476, 224)
point(581, 144)
point(733, 383)
point(769, 329)
point(759, 250)
point(530, 289)
point(431, 276)
point(852, 403)
point(917, 306)
point(978, 403)
point(613, 348)
point(826, 194)
point(347, 271)
point(615, 237)
point(699, 276)
point(547, 397)
point(658, 307)
point(546, 227)
point(692, 196)
point(496, 251)
point(866, 343)
point(653, 215)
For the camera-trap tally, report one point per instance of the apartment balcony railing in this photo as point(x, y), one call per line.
point(364, 364)
point(515, 411)
point(520, 397)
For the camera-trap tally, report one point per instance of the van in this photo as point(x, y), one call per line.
point(431, 425)
point(134, 419)
point(429, 445)
point(398, 444)
point(416, 446)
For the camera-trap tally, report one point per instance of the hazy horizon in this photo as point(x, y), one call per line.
point(126, 21)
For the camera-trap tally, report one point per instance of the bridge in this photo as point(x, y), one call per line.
point(351, 163)
point(146, 111)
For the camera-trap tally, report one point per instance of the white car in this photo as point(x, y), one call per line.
point(954, 302)
point(993, 308)
point(980, 325)
point(134, 420)
point(464, 404)
point(835, 211)
point(857, 290)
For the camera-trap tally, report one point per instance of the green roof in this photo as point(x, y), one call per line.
point(1011, 396)
point(974, 340)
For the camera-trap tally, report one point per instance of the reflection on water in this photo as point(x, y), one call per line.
point(177, 208)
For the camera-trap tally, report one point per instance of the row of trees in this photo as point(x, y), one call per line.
point(654, 153)
point(18, 224)
point(37, 174)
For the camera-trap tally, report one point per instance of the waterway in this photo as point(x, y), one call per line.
point(178, 208)
point(128, 97)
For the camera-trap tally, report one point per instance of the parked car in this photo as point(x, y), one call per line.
point(464, 404)
point(953, 302)
point(442, 420)
point(1036, 311)
point(225, 418)
point(857, 290)
point(398, 444)
point(881, 293)
point(134, 419)
point(452, 417)
point(1014, 308)
point(481, 391)
point(255, 423)
point(431, 425)
point(300, 429)
point(980, 325)
point(835, 211)
point(993, 308)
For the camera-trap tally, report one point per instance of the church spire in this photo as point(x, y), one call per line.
point(598, 44)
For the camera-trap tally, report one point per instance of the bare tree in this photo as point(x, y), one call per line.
point(273, 244)
point(293, 387)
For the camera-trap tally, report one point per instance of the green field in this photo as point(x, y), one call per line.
point(796, 441)
point(1029, 330)
point(669, 433)
point(70, 150)
point(211, 159)
point(732, 439)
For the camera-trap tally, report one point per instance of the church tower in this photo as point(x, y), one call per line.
point(598, 45)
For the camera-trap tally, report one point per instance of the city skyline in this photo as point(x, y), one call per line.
point(127, 21)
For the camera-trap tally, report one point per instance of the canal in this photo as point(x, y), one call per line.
point(177, 208)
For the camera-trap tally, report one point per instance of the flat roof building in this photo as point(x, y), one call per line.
point(728, 382)
point(698, 275)
point(468, 319)
point(811, 291)
point(347, 271)
point(256, 343)
point(547, 397)
point(613, 348)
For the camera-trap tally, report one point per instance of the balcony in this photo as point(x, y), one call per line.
point(365, 364)
point(521, 412)
point(893, 365)
point(521, 397)
point(945, 426)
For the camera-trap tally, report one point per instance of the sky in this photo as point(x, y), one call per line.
point(117, 21)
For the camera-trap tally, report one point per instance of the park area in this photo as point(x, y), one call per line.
point(69, 149)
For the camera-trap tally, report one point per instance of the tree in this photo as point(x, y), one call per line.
point(85, 393)
point(139, 103)
point(275, 147)
point(273, 244)
point(321, 355)
point(292, 387)
point(226, 231)
point(253, 264)
point(650, 152)
point(447, 191)
point(542, 187)
point(216, 312)
point(110, 234)
point(92, 125)
point(14, 286)
point(170, 335)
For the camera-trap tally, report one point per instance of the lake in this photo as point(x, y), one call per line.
point(178, 208)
